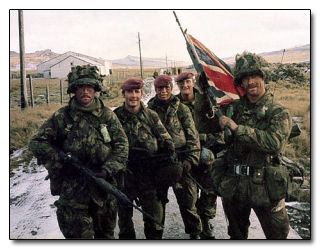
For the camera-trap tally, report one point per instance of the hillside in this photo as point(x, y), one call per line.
point(134, 62)
point(292, 55)
point(31, 59)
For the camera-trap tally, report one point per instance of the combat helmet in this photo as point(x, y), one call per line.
point(84, 75)
point(250, 64)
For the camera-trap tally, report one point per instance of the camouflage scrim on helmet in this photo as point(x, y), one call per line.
point(84, 75)
point(250, 64)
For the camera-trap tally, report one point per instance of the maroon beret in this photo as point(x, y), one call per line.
point(184, 75)
point(131, 83)
point(163, 80)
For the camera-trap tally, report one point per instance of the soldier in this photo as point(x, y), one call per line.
point(92, 133)
point(206, 203)
point(147, 136)
point(250, 175)
point(178, 120)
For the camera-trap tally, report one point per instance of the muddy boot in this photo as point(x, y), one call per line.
point(207, 230)
point(195, 236)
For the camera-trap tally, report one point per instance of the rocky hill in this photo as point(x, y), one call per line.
point(134, 62)
point(31, 59)
point(292, 55)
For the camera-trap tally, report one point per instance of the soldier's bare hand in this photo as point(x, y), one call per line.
point(225, 121)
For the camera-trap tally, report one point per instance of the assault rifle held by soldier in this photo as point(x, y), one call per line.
point(104, 185)
point(162, 156)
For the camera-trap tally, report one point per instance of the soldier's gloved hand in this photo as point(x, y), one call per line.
point(186, 166)
point(169, 147)
point(66, 158)
point(105, 174)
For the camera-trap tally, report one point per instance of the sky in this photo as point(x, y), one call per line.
point(113, 34)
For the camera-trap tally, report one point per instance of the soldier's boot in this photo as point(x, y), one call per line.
point(195, 236)
point(152, 233)
point(207, 230)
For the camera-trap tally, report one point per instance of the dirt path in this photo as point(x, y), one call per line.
point(32, 213)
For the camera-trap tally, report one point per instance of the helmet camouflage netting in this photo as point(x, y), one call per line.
point(84, 75)
point(250, 64)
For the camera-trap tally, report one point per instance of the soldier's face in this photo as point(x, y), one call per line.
point(85, 95)
point(186, 86)
point(132, 98)
point(163, 92)
point(253, 86)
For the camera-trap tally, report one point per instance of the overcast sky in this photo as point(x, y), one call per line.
point(113, 34)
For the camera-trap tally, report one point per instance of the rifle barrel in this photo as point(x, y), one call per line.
point(103, 184)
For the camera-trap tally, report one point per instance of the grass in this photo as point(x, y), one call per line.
point(297, 99)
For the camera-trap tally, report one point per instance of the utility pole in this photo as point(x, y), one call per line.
point(140, 56)
point(166, 63)
point(282, 55)
point(24, 96)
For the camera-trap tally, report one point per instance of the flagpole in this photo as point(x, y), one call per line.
point(203, 81)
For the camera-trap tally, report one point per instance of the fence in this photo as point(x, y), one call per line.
point(40, 91)
point(54, 91)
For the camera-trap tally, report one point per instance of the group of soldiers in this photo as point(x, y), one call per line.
point(143, 149)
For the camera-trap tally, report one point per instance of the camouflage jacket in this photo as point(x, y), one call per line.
point(199, 109)
point(79, 131)
point(189, 104)
point(263, 131)
point(144, 130)
point(178, 121)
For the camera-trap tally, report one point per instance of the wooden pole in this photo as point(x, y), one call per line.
point(31, 91)
point(24, 95)
point(61, 92)
point(140, 57)
point(47, 94)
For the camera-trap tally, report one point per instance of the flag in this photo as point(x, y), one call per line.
point(218, 72)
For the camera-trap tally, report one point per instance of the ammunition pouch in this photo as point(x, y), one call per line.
point(120, 179)
point(277, 182)
point(56, 181)
point(224, 183)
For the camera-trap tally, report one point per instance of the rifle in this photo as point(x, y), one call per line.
point(159, 156)
point(204, 84)
point(104, 185)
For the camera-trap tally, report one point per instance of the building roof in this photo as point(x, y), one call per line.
point(62, 57)
point(91, 62)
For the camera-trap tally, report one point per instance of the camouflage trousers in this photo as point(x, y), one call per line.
point(275, 224)
point(151, 204)
point(186, 193)
point(206, 203)
point(94, 222)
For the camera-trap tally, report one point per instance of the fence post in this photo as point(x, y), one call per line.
point(31, 91)
point(47, 94)
point(61, 92)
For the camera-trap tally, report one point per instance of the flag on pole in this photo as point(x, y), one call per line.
point(218, 72)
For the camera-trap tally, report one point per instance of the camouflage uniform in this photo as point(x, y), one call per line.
point(147, 136)
point(83, 211)
point(206, 203)
point(249, 175)
point(178, 120)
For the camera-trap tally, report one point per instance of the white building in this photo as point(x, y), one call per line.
point(60, 66)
